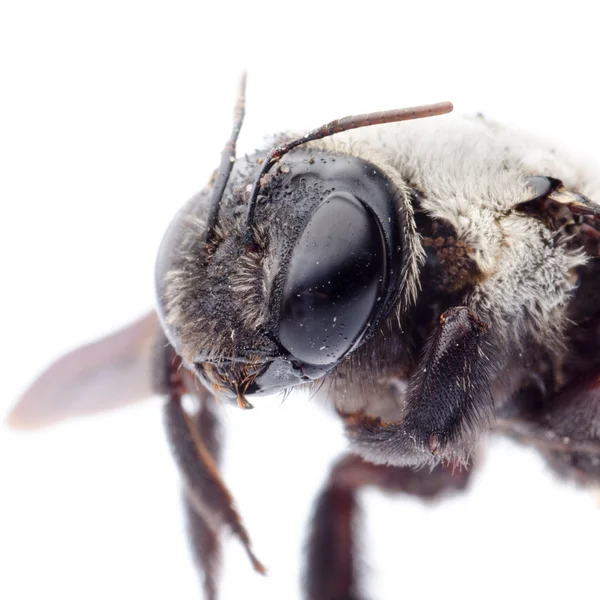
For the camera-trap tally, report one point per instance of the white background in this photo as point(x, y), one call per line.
point(113, 114)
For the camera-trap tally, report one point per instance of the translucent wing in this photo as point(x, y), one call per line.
point(570, 213)
point(109, 373)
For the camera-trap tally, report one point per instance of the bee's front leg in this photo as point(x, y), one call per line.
point(331, 572)
point(195, 448)
point(448, 401)
point(205, 541)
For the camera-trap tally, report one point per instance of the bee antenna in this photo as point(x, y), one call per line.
point(227, 160)
point(337, 126)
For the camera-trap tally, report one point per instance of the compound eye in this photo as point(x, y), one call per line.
point(335, 281)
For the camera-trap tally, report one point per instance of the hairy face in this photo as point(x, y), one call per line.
point(325, 265)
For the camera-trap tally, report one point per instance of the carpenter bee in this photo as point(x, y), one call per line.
point(432, 280)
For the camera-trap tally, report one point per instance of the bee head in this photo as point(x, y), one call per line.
point(283, 266)
point(320, 273)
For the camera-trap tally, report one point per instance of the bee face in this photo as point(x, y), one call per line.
point(320, 273)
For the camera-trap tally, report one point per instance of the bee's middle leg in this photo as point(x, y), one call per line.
point(331, 572)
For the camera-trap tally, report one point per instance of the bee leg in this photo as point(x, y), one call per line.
point(204, 539)
point(449, 396)
point(448, 402)
point(331, 572)
point(565, 428)
point(206, 492)
point(204, 485)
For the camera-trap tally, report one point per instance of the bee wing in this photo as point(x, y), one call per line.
point(106, 374)
point(571, 213)
point(589, 216)
point(578, 217)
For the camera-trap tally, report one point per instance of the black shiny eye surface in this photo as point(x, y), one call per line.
point(335, 281)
